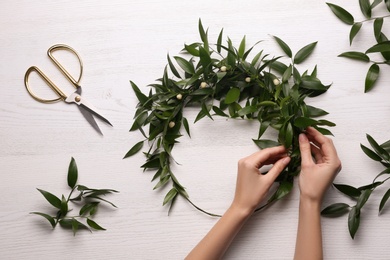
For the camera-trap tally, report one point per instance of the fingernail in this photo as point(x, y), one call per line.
point(302, 137)
point(286, 160)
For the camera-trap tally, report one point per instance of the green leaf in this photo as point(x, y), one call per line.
point(287, 74)
point(380, 47)
point(386, 146)
point(278, 66)
point(264, 143)
point(89, 207)
point(384, 199)
point(341, 13)
point(135, 149)
point(387, 2)
point(205, 59)
point(94, 225)
point(99, 198)
point(315, 112)
point(186, 126)
point(139, 121)
point(353, 221)
point(325, 122)
point(219, 112)
point(304, 122)
point(232, 96)
point(64, 206)
point(74, 224)
point(202, 91)
point(354, 31)
point(241, 48)
point(365, 7)
point(378, 23)
point(185, 65)
point(52, 199)
point(370, 153)
point(348, 190)
point(231, 57)
point(142, 98)
point(305, 52)
point(289, 135)
point(378, 149)
point(263, 127)
point(219, 41)
point(163, 181)
point(284, 188)
point(355, 55)
point(246, 110)
point(363, 198)
point(172, 67)
point(375, 3)
point(72, 173)
point(170, 196)
point(284, 46)
point(312, 83)
point(48, 217)
point(336, 209)
point(203, 35)
point(191, 49)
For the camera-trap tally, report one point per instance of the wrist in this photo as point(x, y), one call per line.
point(240, 212)
point(310, 203)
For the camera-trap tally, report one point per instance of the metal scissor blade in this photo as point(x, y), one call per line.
point(89, 118)
point(92, 110)
point(86, 109)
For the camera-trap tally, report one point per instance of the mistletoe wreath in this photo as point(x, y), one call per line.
point(221, 80)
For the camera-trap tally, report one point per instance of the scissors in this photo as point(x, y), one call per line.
point(86, 108)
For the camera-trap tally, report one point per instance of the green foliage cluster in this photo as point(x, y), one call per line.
point(381, 154)
point(222, 80)
point(382, 46)
point(89, 199)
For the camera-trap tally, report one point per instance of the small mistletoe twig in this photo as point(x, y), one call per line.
point(383, 43)
point(379, 153)
point(87, 197)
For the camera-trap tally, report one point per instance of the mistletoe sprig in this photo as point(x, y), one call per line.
point(383, 44)
point(222, 80)
point(89, 199)
point(379, 153)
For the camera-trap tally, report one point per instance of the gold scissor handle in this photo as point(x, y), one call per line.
point(61, 95)
point(60, 67)
point(50, 83)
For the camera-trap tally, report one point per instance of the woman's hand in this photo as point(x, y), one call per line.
point(318, 174)
point(252, 186)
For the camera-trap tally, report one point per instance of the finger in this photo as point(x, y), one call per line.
point(277, 168)
point(323, 142)
point(304, 147)
point(267, 156)
point(317, 154)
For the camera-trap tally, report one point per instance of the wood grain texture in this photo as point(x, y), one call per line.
point(126, 40)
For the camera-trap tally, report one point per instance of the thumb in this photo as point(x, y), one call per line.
point(277, 168)
point(304, 147)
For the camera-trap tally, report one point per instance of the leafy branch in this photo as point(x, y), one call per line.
point(379, 153)
point(223, 81)
point(382, 46)
point(89, 199)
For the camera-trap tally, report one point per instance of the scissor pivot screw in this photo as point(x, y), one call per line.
point(77, 98)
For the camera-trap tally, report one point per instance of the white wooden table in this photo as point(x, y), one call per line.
point(129, 40)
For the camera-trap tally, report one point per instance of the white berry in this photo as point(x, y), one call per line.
point(203, 85)
point(247, 79)
point(171, 124)
point(276, 82)
point(179, 96)
point(223, 68)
